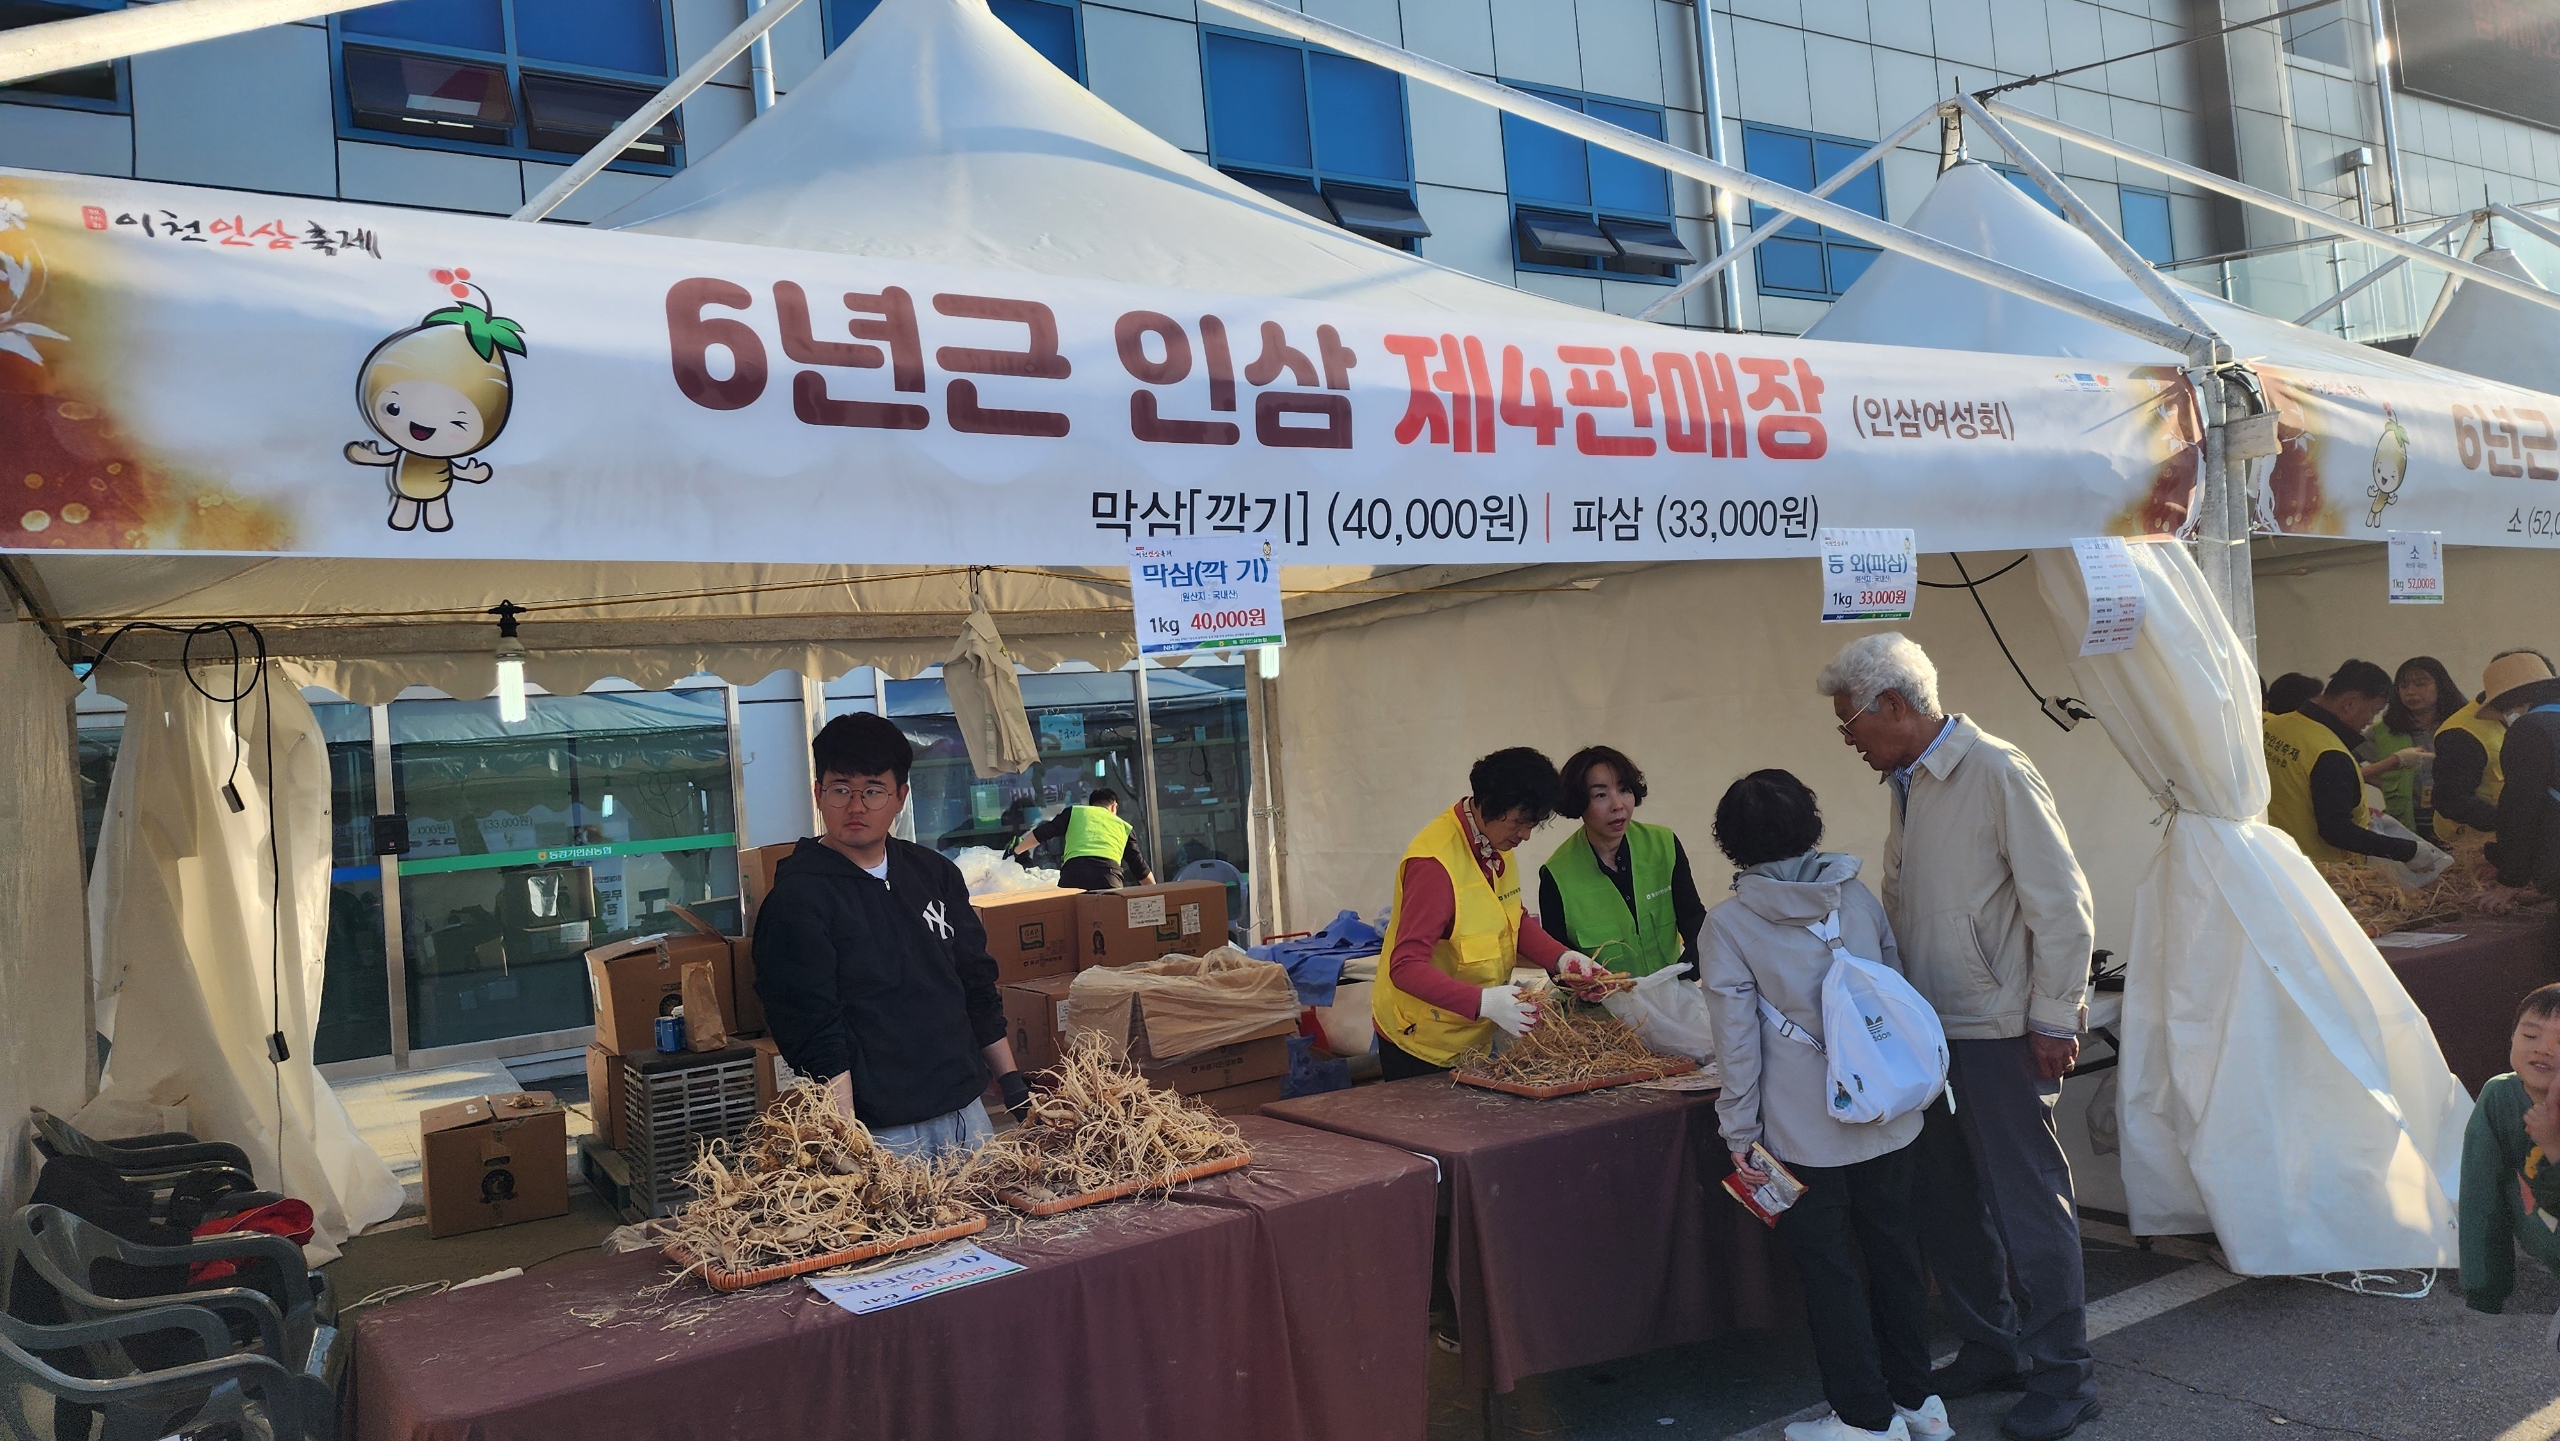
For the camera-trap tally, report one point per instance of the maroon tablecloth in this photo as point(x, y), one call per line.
point(1284, 1301)
point(2469, 988)
point(1581, 1229)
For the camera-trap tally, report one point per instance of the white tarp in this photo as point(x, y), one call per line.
point(2279, 1088)
point(186, 915)
point(43, 1041)
point(2490, 333)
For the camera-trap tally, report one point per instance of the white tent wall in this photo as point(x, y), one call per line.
point(44, 1040)
point(2320, 603)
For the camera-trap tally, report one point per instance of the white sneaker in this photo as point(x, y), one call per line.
point(1832, 1428)
point(1927, 1421)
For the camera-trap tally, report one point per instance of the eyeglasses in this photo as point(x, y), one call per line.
point(840, 795)
point(1864, 710)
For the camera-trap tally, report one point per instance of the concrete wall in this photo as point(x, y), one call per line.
point(44, 1042)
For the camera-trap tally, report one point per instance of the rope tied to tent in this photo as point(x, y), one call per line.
point(2171, 807)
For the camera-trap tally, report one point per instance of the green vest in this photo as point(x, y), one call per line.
point(1638, 944)
point(1093, 831)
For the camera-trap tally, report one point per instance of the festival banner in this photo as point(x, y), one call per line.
point(210, 371)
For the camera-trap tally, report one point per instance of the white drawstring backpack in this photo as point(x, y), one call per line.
point(1888, 1053)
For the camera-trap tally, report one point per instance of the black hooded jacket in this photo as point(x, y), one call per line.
point(890, 980)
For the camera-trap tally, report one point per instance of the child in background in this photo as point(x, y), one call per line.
point(2511, 1160)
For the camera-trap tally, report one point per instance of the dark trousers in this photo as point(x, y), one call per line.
point(1856, 1242)
point(1395, 1063)
point(1089, 873)
point(1999, 1223)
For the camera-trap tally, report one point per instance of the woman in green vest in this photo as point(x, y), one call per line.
point(1100, 853)
point(1617, 889)
point(2403, 765)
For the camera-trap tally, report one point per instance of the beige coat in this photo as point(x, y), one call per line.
point(1756, 945)
point(1986, 899)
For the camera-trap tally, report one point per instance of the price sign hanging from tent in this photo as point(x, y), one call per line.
point(2417, 567)
point(1204, 593)
point(2115, 594)
point(1868, 574)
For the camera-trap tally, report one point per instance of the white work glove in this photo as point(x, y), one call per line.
point(1575, 966)
point(2430, 862)
point(1504, 1006)
point(2410, 758)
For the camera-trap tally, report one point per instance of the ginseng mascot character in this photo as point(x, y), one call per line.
point(438, 392)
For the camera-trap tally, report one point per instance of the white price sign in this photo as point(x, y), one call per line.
point(2115, 594)
point(2417, 567)
point(1868, 574)
point(1204, 593)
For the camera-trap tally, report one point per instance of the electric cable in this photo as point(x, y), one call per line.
point(2156, 49)
point(2064, 711)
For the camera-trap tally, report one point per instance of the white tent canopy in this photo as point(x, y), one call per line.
point(2489, 333)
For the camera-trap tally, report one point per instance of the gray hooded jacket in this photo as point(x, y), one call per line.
point(1756, 944)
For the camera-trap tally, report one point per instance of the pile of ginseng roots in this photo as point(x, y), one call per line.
point(1568, 1045)
point(2381, 904)
point(1097, 1124)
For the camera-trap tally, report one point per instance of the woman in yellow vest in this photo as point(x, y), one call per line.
point(1617, 888)
point(1100, 853)
point(2469, 775)
point(1458, 928)
point(2315, 793)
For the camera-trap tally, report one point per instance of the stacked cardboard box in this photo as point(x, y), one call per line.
point(1142, 923)
point(632, 983)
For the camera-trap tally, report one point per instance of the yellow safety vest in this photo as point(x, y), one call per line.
point(1093, 831)
point(2293, 743)
point(2485, 727)
point(1482, 947)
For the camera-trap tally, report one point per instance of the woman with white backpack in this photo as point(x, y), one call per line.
point(1767, 958)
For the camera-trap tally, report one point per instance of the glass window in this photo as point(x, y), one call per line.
point(2319, 35)
point(1581, 207)
point(1319, 132)
point(2030, 189)
point(530, 843)
point(90, 87)
point(100, 736)
point(1804, 259)
point(355, 992)
point(1049, 26)
point(2145, 217)
point(540, 78)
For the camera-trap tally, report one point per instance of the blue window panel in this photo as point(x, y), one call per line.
point(625, 35)
point(463, 24)
point(1544, 164)
point(1258, 103)
point(1358, 111)
point(1049, 29)
point(844, 17)
point(1619, 182)
point(1786, 158)
point(1791, 265)
point(2146, 224)
point(1848, 262)
point(1865, 192)
point(2029, 188)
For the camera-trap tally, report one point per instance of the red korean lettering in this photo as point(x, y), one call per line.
point(1037, 360)
point(1540, 413)
point(1423, 410)
point(810, 400)
point(1597, 388)
point(94, 217)
point(1793, 431)
point(1470, 402)
point(1146, 422)
point(692, 336)
point(1279, 355)
point(2539, 438)
point(1222, 365)
point(1337, 357)
point(1271, 411)
point(2502, 437)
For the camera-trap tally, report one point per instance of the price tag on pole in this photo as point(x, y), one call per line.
point(1206, 592)
point(2115, 594)
point(1868, 574)
point(2417, 567)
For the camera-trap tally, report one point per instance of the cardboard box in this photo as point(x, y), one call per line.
point(755, 878)
point(1031, 933)
point(748, 1018)
point(1140, 923)
point(604, 1095)
point(1243, 1100)
point(1256, 1058)
point(1035, 1014)
point(494, 1161)
point(773, 1074)
point(632, 983)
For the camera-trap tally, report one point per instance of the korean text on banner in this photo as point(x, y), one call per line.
point(1210, 592)
point(914, 1281)
point(2115, 594)
point(1868, 574)
point(2417, 567)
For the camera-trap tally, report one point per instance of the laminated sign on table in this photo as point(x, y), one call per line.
point(1868, 574)
point(914, 1281)
point(2115, 594)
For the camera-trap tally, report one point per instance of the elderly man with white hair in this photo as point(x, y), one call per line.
point(1993, 920)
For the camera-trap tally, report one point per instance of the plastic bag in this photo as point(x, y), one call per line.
point(989, 872)
point(1669, 1011)
point(2416, 872)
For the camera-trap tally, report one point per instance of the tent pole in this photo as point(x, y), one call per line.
point(1258, 801)
point(2532, 225)
point(1276, 804)
point(1853, 223)
point(695, 76)
point(1727, 251)
point(2152, 284)
point(395, 935)
point(1720, 217)
point(2444, 296)
point(117, 34)
point(2373, 276)
point(1147, 770)
point(813, 716)
point(2390, 120)
point(2318, 220)
point(760, 61)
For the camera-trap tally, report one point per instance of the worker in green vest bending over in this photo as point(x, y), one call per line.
point(1618, 889)
point(1101, 855)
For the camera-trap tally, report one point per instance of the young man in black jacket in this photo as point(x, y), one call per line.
point(872, 964)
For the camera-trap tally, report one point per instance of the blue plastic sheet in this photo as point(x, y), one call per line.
point(1315, 961)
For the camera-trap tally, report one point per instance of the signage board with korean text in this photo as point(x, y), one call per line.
point(1868, 574)
point(1194, 593)
point(2115, 594)
point(190, 370)
point(939, 1272)
point(2416, 567)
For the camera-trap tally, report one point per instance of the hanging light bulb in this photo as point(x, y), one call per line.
point(510, 656)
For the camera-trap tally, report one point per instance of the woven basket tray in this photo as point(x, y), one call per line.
point(721, 1279)
point(1670, 1066)
point(1030, 1207)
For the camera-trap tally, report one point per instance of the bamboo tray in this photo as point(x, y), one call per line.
point(1671, 1066)
point(720, 1278)
point(1063, 1204)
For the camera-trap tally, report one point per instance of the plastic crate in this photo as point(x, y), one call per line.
point(671, 1105)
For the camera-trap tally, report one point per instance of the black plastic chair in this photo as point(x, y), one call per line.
point(188, 1179)
point(298, 1329)
point(137, 1404)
